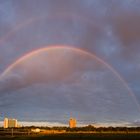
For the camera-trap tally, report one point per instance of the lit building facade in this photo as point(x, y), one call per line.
point(10, 123)
point(72, 123)
point(5, 122)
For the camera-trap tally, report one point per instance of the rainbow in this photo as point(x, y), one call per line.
point(30, 54)
point(28, 22)
point(34, 19)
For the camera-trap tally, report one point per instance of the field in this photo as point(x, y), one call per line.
point(79, 136)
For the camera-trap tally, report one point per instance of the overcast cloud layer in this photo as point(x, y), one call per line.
point(109, 29)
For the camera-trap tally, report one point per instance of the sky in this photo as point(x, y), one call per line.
point(90, 71)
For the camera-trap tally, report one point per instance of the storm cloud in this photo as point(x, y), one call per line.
point(109, 29)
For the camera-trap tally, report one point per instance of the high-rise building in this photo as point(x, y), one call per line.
point(9, 123)
point(72, 123)
point(5, 122)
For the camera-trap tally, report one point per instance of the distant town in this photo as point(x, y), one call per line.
point(14, 130)
point(13, 123)
point(12, 127)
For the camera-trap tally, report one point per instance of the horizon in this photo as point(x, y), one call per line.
point(25, 123)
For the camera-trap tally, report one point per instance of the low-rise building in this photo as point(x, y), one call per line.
point(37, 130)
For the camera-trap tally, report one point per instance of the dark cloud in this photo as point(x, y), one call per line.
point(72, 82)
point(109, 29)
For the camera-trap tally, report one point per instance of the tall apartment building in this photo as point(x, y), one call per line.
point(9, 123)
point(72, 123)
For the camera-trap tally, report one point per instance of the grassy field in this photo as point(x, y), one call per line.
point(77, 137)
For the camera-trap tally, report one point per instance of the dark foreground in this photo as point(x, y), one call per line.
point(75, 136)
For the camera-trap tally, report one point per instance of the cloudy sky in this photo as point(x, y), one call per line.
point(94, 77)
